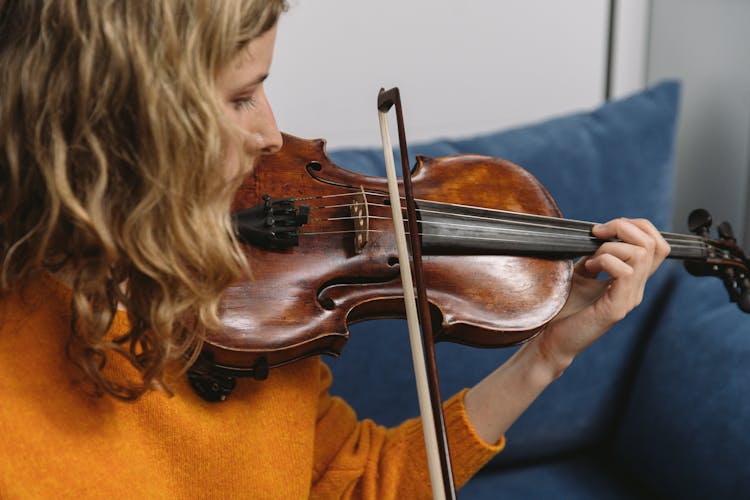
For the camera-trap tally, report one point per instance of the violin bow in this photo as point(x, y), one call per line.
point(422, 346)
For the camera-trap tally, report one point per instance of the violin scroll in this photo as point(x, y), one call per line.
point(724, 258)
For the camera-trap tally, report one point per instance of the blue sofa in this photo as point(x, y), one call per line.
point(657, 407)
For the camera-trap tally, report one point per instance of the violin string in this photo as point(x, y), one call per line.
point(675, 246)
point(467, 226)
point(676, 241)
point(678, 246)
point(352, 231)
point(484, 228)
point(682, 245)
point(551, 219)
point(551, 222)
point(573, 233)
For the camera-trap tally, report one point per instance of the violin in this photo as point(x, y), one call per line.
point(497, 258)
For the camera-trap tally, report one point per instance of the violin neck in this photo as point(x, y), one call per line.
point(471, 230)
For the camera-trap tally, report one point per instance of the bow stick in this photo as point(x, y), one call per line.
point(422, 346)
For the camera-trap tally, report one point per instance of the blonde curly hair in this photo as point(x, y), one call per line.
point(111, 140)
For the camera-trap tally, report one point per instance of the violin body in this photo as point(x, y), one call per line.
point(300, 299)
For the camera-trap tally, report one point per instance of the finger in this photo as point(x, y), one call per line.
point(611, 264)
point(580, 268)
point(632, 254)
point(636, 257)
point(628, 232)
point(661, 249)
point(625, 290)
point(624, 230)
point(626, 286)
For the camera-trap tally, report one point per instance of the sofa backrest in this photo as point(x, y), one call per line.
point(614, 161)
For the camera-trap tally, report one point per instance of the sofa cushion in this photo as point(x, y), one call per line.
point(614, 161)
point(581, 477)
point(685, 430)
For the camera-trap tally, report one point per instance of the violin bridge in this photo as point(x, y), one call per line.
point(361, 217)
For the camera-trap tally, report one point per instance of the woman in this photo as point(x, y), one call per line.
point(125, 131)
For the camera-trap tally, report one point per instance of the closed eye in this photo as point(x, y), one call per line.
point(244, 103)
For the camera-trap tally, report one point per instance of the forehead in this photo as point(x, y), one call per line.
point(254, 56)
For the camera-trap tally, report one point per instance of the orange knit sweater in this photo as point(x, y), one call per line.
point(281, 438)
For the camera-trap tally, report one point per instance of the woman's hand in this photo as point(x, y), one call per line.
point(593, 307)
point(595, 304)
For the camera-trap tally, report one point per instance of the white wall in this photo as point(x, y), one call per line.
point(462, 67)
point(630, 51)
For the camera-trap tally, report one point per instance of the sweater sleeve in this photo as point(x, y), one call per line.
point(363, 460)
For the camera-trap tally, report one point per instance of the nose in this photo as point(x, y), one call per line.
point(268, 136)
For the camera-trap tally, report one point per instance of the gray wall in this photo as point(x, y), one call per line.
point(706, 43)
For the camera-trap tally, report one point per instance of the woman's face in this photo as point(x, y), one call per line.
point(240, 88)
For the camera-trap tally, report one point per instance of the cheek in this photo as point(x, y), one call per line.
point(237, 164)
point(231, 165)
point(233, 150)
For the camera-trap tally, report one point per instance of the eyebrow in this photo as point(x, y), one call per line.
point(252, 84)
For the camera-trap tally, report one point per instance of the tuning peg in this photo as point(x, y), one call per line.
point(743, 297)
point(743, 300)
point(699, 221)
point(726, 232)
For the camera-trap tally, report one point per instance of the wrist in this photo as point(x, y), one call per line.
point(544, 363)
point(499, 399)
